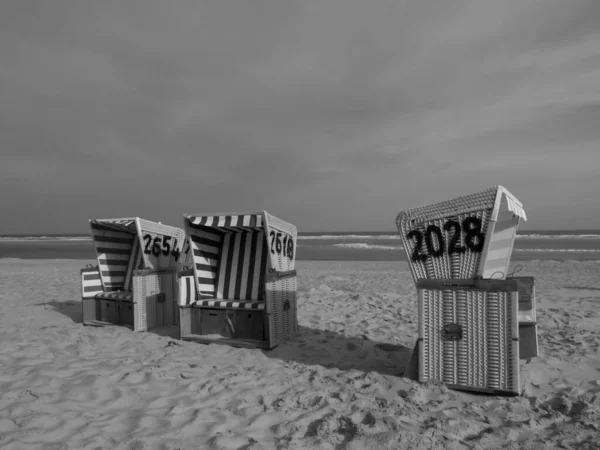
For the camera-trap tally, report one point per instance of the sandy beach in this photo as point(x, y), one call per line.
point(338, 385)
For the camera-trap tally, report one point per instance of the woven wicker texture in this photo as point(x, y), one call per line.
point(482, 207)
point(149, 311)
point(483, 352)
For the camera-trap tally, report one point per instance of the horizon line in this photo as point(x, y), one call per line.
point(321, 232)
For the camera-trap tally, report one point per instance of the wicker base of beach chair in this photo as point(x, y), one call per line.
point(152, 303)
point(230, 327)
point(240, 327)
point(469, 335)
point(527, 326)
point(103, 312)
point(155, 302)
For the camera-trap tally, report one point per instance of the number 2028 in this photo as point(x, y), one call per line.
point(470, 227)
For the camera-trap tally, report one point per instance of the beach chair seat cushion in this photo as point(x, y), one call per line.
point(234, 304)
point(115, 295)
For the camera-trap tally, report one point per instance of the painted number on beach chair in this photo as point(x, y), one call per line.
point(177, 252)
point(435, 246)
point(279, 246)
point(161, 245)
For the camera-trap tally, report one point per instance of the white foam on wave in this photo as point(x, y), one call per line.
point(555, 250)
point(350, 236)
point(42, 238)
point(363, 246)
point(395, 236)
point(368, 246)
point(557, 236)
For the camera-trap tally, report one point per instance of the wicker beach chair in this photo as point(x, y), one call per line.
point(469, 334)
point(241, 290)
point(468, 239)
point(134, 283)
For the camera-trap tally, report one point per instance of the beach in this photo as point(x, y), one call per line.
point(338, 385)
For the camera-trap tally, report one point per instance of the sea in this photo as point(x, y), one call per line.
point(332, 246)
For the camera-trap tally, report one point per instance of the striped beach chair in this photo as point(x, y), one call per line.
point(134, 283)
point(467, 238)
point(241, 289)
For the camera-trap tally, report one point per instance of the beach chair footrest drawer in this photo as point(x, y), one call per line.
point(469, 338)
point(101, 310)
point(230, 323)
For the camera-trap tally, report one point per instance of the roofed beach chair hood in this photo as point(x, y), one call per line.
point(133, 283)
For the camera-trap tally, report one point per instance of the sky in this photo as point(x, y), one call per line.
point(334, 115)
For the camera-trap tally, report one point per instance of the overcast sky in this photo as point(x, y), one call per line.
point(330, 114)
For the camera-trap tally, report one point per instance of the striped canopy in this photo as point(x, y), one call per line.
point(514, 205)
point(227, 222)
point(232, 252)
point(127, 224)
point(126, 244)
point(115, 240)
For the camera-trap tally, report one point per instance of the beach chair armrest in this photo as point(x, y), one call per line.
point(186, 288)
point(154, 282)
point(91, 284)
point(276, 275)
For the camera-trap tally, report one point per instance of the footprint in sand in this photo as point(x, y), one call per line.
point(137, 378)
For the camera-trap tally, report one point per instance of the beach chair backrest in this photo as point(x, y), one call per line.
point(113, 242)
point(125, 245)
point(462, 238)
point(161, 246)
point(135, 263)
point(233, 252)
point(242, 266)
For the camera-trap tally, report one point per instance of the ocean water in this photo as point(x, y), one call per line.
point(356, 246)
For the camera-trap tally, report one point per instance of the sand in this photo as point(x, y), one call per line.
point(339, 385)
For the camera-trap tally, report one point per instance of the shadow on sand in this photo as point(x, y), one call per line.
point(335, 350)
point(311, 346)
point(72, 310)
point(583, 288)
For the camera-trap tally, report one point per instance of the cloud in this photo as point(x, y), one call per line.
point(329, 110)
